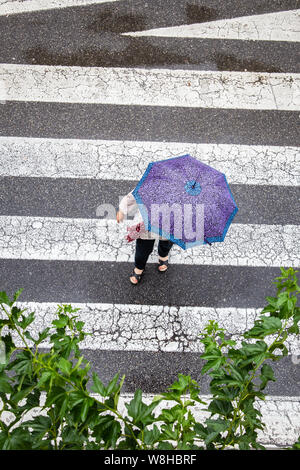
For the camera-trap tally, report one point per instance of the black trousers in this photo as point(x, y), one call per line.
point(144, 248)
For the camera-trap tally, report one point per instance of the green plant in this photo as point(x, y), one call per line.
point(54, 386)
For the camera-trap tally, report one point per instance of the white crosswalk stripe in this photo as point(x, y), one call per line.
point(279, 26)
point(127, 160)
point(143, 327)
point(59, 238)
point(22, 6)
point(155, 87)
point(129, 327)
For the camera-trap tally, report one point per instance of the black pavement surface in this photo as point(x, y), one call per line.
point(91, 36)
point(108, 282)
point(153, 372)
point(149, 123)
point(79, 198)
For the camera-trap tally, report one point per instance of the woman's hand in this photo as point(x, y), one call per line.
point(120, 216)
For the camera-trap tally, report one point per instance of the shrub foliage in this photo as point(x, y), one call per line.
point(51, 399)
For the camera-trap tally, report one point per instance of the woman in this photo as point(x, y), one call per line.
point(144, 239)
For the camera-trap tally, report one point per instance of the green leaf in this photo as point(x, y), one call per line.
point(225, 380)
point(282, 347)
point(112, 386)
point(65, 366)
point(244, 442)
point(98, 386)
point(17, 294)
point(214, 364)
point(16, 397)
point(43, 335)
point(291, 303)
point(4, 323)
point(220, 407)
point(108, 429)
point(18, 439)
point(146, 417)
point(263, 327)
point(40, 425)
point(267, 374)
point(151, 436)
point(168, 433)
point(165, 446)
point(158, 398)
point(87, 403)
point(201, 431)
point(63, 405)
point(28, 336)
point(62, 322)
point(46, 375)
point(5, 386)
point(22, 364)
point(76, 397)
point(4, 299)
point(33, 399)
point(272, 301)
point(26, 321)
point(134, 406)
point(211, 437)
point(77, 365)
point(255, 352)
point(218, 425)
point(211, 354)
point(172, 396)
point(236, 373)
point(140, 412)
point(182, 383)
point(79, 325)
point(171, 415)
point(72, 440)
point(56, 395)
point(118, 391)
point(194, 393)
point(282, 299)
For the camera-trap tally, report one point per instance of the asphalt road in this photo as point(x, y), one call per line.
point(91, 36)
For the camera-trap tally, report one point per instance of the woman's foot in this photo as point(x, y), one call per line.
point(134, 279)
point(163, 263)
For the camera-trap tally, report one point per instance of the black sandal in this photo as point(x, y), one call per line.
point(137, 276)
point(161, 262)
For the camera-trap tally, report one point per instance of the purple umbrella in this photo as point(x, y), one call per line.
point(185, 201)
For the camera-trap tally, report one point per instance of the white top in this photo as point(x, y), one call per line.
point(129, 206)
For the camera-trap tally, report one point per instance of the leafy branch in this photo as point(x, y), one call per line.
point(54, 400)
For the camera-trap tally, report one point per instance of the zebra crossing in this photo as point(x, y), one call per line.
point(88, 98)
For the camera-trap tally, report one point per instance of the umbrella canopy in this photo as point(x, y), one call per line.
point(185, 201)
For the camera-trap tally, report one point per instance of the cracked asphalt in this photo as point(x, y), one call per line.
point(86, 109)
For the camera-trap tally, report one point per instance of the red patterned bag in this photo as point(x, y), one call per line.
point(135, 231)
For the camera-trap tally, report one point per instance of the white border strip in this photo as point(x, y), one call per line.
point(56, 238)
point(127, 160)
point(23, 6)
point(279, 26)
point(151, 87)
